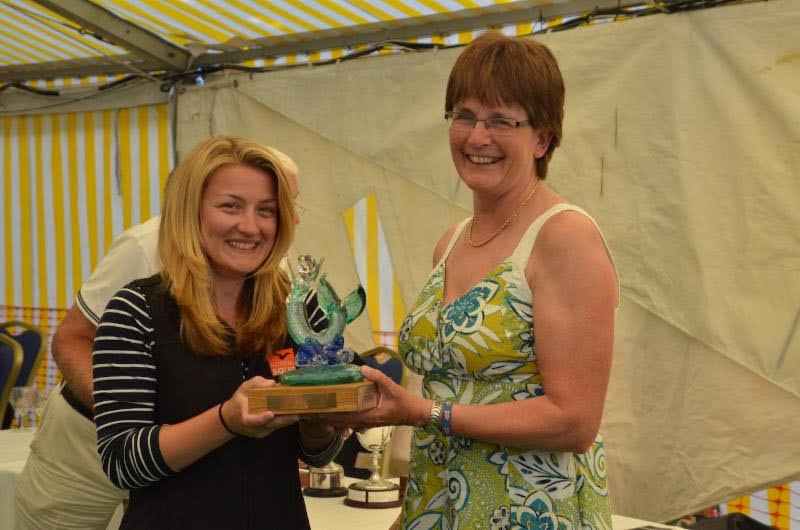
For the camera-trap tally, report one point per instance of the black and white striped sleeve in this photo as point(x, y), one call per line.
point(125, 391)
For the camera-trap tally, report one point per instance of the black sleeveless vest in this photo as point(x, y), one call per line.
point(246, 483)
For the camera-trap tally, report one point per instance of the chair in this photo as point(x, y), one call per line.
point(10, 364)
point(389, 362)
point(34, 344)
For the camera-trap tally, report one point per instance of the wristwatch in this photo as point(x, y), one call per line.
point(435, 418)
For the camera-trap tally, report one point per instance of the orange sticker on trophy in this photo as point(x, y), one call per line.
point(281, 361)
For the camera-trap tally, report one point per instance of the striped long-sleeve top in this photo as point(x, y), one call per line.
point(125, 383)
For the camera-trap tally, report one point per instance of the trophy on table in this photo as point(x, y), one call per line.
point(324, 381)
point(375, 492)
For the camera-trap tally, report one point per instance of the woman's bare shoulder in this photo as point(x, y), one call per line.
point(567, 230)
point(568, 245)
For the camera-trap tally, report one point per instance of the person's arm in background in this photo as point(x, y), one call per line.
point(72, 350)
point(131, 256)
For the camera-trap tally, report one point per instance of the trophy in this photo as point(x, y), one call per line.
point(326, 481)
point(374, 492)
point(323, 379)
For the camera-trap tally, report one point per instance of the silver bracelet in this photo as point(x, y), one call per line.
point(435, 418)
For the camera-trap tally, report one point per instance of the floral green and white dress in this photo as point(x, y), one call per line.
point(481, 349)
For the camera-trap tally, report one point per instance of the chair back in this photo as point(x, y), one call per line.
point(10, 364)
point(33, 342)
point(389, 362)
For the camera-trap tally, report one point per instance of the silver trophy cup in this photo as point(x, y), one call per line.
point(375, 492)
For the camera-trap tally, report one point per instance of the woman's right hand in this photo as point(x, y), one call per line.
point(238, 418)
point(396, 406)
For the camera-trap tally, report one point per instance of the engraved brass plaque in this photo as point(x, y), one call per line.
point(301, 402)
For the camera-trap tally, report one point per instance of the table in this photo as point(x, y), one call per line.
point(14, 448)
point(332, 514)
point(324, 514)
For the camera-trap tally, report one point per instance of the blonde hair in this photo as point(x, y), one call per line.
point(186, 273)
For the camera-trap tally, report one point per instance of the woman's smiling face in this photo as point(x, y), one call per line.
point(485, 160)
point(238, 219)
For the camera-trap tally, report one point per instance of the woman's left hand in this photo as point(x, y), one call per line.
point(396, 406)
point(241, 421)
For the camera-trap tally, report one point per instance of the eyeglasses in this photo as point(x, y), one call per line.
point(496, 126)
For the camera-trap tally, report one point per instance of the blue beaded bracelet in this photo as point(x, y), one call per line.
point(445, 422)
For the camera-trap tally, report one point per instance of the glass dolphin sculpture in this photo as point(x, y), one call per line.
point(325, 346)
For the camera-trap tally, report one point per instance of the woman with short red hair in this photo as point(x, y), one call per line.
point(513, 331)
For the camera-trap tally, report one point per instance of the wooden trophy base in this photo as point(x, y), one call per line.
point(366, 495)
point(319, 399)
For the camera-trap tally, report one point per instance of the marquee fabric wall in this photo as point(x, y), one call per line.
point(373, 260)
point(70, 183)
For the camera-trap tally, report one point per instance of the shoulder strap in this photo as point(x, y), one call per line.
point(452, 242)
point(524, 248)
point(525, 245)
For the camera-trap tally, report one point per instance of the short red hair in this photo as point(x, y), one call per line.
point(500, 70)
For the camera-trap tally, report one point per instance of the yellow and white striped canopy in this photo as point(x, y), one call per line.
point(44, 38)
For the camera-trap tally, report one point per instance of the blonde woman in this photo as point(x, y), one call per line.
point(176, 353)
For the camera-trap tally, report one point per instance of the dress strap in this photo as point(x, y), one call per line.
point(452, 242)
point(525, 245)
point(522, 253)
